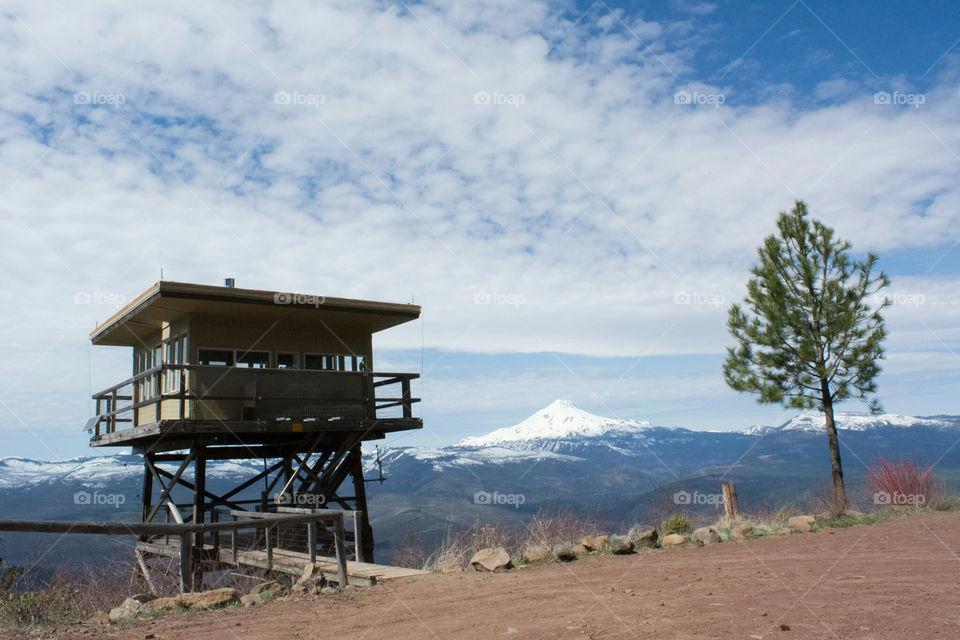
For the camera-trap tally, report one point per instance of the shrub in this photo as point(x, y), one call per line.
point(677, 523)
point(903, 484)
point(549, 529)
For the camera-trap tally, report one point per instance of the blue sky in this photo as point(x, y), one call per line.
point(603, 172)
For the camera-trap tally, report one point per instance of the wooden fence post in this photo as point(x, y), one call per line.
point(730, 506)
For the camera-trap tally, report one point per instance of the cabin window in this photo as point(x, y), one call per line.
point(320, 362)
point(253, 359)
point(287, 361)
point(216, 357)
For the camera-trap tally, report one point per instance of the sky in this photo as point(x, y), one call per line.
point(573, 192)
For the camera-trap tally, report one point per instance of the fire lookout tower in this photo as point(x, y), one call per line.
point(221, 373)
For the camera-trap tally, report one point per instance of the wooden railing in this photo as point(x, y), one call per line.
point(192, 535)
point(268, 394)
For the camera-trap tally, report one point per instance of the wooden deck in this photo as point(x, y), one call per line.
point(293, 563)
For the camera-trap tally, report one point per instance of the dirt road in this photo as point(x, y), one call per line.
point(899, 579)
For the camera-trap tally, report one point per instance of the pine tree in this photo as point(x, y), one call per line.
point(809, 337)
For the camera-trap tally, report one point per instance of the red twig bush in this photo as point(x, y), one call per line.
point(903, 483)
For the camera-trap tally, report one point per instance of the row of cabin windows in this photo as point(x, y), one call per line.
point(281, 360)
point(172, 351)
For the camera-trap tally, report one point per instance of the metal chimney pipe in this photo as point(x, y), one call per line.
point(229, 282)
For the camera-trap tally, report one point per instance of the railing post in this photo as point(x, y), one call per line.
point(312, 541)
point(266, 531)
point(158, 392)
point(338, 535)
point(113, 409)
point(183, 393)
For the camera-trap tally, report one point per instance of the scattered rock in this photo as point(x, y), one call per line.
point(707, 535)
point(250, 599)
point(99, 617)
point(801, 523)
point(784, 627)
point(130, 608)
point(742, 533)
point(596, 543)
point(620, 545)
point(208, 599)
point(674, 539)
point(273, 589)
point(784, 532)
point(163, 604)
point(647, 539)
point(537, 553)
point(491, 559)
point(564, 552)
point(143, 598)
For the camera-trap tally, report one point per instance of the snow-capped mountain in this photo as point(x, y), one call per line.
point(559, 420)
point(815, 421)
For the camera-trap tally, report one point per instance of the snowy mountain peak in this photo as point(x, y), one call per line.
point(815, 421)
point(559, 420)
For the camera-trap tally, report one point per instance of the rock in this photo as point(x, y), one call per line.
point(784, 532)
point(537, 553)
point(129, 609)
point(801, 523)
point(208, 599)
point(707, 535)
point(143, 598)
point(311, 578)
point(596, 543)
point(621, 545)
point(564, 552)
point(250, 599)
point(491, 559)
point(673, 539)
point(647, 539)
point(99, 617)
point(163, 604)
point(272, 589)
point(742, 533)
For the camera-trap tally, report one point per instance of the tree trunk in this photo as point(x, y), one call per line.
point(839, 492)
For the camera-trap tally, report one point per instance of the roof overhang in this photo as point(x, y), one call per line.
point(168, 301)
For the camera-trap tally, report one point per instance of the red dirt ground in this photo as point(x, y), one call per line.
point(898, 579)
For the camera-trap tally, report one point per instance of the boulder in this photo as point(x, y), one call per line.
point(163, 604)
point(208, 599)
point(99, 617)
point(564, 552)
point(130, 608)
point(647, 539)
point(707, 535)
point(621, 545)
point(801, 523)
point(674, 539)
point(784, 531)
point(596, 543)
point(742, 533)
point(537, 553)
point(250, 599)
point(143, 598)
point(491, 559)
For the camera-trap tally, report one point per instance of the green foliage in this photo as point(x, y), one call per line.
point(677, 523)
point(807, 335)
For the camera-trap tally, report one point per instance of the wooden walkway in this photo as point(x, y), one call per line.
point(293, 562)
